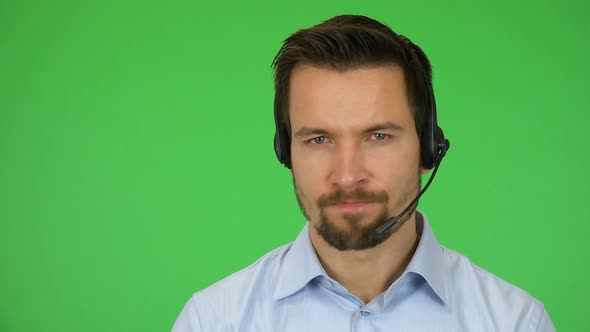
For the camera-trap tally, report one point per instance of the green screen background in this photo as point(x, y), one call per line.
point(136, 160)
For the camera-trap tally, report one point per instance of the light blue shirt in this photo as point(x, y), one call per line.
point(288, 290)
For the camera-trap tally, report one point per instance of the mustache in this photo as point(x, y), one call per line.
point(358, 195)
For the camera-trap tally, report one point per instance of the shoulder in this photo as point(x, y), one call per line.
point(479, 292)
point(230, 298)
point(262, 270)
point(463, 272)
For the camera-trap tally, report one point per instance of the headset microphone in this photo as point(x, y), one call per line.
point(391, 222)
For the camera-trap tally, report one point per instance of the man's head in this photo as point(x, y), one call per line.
point(351, 94)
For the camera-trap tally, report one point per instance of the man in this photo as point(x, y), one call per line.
point(356, 124)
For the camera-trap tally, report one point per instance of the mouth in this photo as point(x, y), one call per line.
point(353, 206)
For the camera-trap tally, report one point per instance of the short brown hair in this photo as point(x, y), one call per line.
point(348, 42)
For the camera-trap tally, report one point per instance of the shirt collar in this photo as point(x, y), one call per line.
point(300, 264)
point(428, 259)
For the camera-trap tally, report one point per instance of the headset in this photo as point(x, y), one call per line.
point(433, 145)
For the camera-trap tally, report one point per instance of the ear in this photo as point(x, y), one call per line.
point(424, 170)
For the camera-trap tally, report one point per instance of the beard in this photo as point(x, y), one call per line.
point(357, 235)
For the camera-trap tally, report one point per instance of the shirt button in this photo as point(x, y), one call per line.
point(364, 313)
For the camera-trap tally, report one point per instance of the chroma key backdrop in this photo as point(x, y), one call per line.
point(136, 159)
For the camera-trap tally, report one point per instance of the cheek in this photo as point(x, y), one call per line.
point(307, 183)
point(310, 185)
point(308, 171)
point(395, 169)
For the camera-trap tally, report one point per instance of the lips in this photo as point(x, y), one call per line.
point(352, 202)
point(353, 205)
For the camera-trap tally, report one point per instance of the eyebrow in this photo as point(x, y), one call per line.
point(305, 131)
point(384, 126)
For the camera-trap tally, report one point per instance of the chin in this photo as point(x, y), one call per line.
point(351, 231)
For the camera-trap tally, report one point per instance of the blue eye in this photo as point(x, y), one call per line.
point(380, 137)
point(318, 140)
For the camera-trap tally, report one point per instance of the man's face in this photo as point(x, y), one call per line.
point(355, 151)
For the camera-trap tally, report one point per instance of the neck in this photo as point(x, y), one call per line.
point(368, 273)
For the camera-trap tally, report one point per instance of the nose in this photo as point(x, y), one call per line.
point(348, 168)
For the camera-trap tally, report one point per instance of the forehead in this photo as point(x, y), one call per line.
point(353, 98)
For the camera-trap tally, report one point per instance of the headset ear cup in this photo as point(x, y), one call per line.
point(434, 147)
point(427, 142)
point(282, 142)
point(277, 146)
point(440, 147)
point(282, 145)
